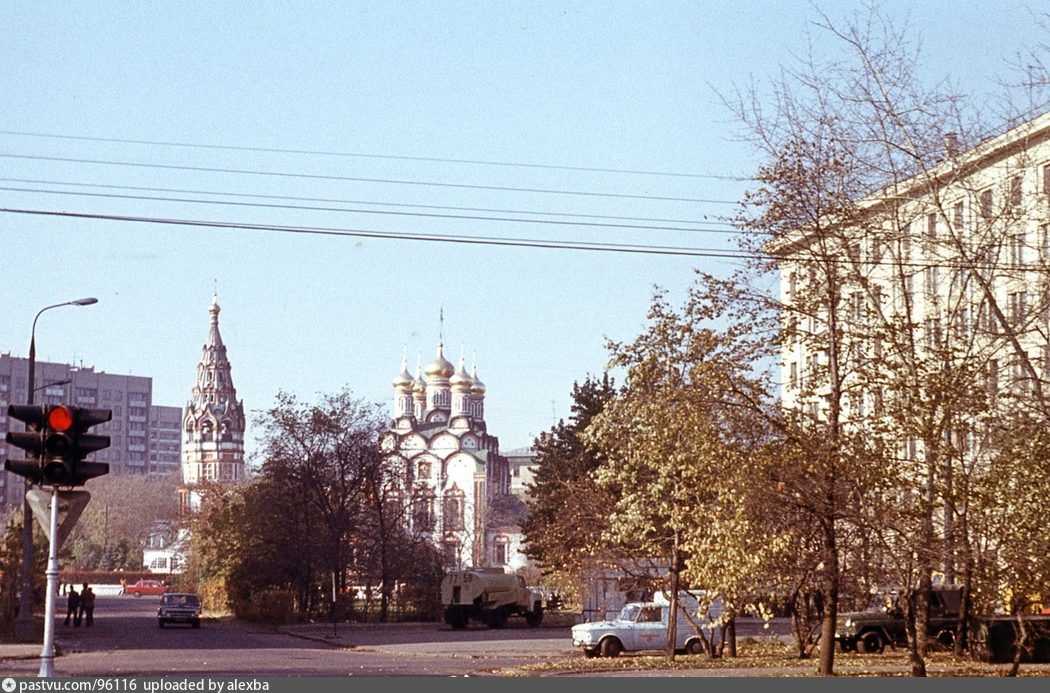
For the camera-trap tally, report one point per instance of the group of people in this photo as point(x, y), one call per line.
point(80, 605)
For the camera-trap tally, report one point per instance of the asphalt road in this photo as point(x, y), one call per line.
point(126, 641)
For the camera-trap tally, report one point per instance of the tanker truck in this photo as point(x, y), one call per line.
point(490, 596)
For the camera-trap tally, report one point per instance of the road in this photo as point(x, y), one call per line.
point(125, 641)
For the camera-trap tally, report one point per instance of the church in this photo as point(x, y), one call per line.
point(456, 483)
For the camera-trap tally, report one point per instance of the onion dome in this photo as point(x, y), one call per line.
point(404, 379)
point(420, 383)
point(478, 387)
point(440, 367)
point(460, 379)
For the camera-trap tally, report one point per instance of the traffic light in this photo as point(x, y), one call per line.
point(57, 440)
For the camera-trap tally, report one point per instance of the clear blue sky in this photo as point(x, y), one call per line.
point(422, 88)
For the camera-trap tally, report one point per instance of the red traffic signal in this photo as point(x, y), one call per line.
point(57, 441)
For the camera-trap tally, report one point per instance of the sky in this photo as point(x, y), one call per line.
point(319, 158)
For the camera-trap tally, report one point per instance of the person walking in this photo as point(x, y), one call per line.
point(73, 606)
point(87, 605)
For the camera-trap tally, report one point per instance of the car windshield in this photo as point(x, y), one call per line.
point(629, 613)
point(180, 600)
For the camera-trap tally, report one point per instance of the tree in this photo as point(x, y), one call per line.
point(678, 438)
point(897, 250)
point(566, 507)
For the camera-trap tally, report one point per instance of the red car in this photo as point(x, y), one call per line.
point(147, 587)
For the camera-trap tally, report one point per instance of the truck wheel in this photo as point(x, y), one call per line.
point(871, 643)
point(694, 647)
point(534, 617)
point(499, 617)
point(457, 618)
point(611, 647)
point(946, 639)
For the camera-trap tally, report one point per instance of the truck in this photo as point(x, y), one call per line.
point(490, 596)
point(639, 626)
point(882, 623)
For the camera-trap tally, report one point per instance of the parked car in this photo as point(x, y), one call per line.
point(640, 626)
point(146, 587)
point(882, 623)
point(179, 607)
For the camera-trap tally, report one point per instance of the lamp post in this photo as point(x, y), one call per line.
point(24, 622)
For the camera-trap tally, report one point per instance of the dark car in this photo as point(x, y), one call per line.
point(179, 607)
point(883, 622)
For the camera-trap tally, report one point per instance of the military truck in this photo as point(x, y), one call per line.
point(882, 623)
point(489, 596)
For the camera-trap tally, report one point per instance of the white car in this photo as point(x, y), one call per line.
point(639, 626)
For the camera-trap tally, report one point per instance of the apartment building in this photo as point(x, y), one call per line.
point(144, 438)
point(945, 272)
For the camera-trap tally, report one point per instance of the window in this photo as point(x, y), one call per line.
point(1046, 179)
point(1044, 240)
point(1015, 192)
point(501, 550)
point(931, 226)
point(453, 509)
point(794, 374)
point(423, 511)
point(992, 377)
point(1017, 243)
point(986, 204)
point(1018, 307)
point(931, 276)
point(959, 217)
point(856, 306)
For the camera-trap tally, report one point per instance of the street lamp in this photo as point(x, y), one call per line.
point(23, 624)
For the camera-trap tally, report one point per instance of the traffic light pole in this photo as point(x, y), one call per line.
point(47, 654)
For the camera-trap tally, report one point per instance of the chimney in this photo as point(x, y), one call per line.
point(951, 143)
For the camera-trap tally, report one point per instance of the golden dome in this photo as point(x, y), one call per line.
point(439, 367)
point(460, 379)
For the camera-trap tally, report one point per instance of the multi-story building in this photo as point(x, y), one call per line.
point(949, 268)
point(455, 479)
point(920, 314)
point(140, 433)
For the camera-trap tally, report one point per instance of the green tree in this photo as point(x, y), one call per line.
point(567, 509)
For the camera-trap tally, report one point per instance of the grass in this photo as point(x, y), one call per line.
point(772, 658)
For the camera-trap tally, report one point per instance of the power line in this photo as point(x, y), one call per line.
point(359, 155)
point(462, 217)
point(358, 179)
point(366, 233)
point(295, 198)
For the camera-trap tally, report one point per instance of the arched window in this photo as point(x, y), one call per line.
point(453, 509)
point(501, 549)
point(423, 510)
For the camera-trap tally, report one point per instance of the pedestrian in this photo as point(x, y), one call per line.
point(123, 586)
point(87, 605)
point(73, 606)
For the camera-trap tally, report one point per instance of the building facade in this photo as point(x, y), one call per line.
point(454, 480)
point(141, 434)
point(919, 315)
point(952, 265)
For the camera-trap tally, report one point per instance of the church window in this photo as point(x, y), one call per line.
point(501, 547)
point(423, 511)
point(424, 470)
point(453, 509)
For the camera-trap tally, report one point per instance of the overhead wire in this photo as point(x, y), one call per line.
point(331, 200)
point(360, 155)
point(432, 215)
point(368, 233)
point(361, 179)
